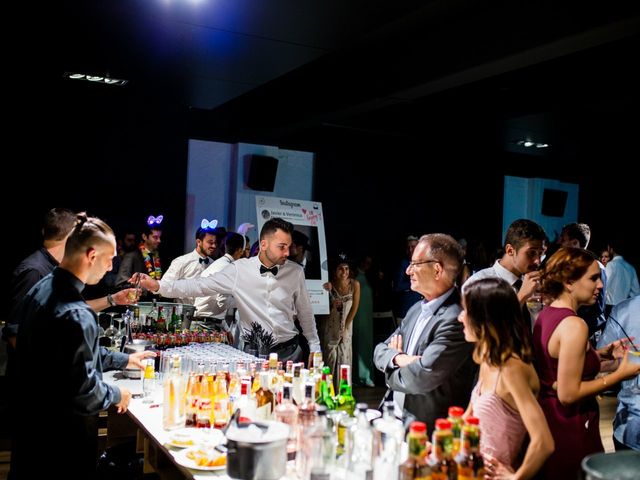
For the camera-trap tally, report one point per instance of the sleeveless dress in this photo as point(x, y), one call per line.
point(337, 350)
point(501, 425)
point(575, 428)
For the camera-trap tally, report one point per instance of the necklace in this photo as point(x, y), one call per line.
point(151, 263)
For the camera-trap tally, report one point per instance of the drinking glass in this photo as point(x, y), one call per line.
point(634, 356)
point(534, 305)
point(148, 380)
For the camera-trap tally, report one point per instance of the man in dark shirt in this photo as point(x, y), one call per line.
point(58, 329)
point(58, 223)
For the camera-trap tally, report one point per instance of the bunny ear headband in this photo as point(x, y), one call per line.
point(208, 225)
point(154, 221)
point(242, 230)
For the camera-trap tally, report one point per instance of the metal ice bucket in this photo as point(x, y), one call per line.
point(623, 465)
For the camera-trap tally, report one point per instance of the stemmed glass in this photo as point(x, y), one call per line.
point(111, 332)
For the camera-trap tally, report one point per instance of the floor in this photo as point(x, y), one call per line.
point(372, 397)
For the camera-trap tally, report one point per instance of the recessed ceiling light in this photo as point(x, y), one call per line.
point(95, 78)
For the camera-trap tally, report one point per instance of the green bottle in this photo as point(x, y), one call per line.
point(345, 400)
point(325, 398)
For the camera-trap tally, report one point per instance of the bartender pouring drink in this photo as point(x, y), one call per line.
point(268, 290)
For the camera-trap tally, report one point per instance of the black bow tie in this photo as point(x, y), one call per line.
point(204, 260)
point(273, 270)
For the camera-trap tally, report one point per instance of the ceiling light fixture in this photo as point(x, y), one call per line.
point(528, 143)
point(95, 78)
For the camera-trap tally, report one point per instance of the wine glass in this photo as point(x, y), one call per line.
point(111, 332)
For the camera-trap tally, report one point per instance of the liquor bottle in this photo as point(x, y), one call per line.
point(173, 411)
point(387, 444)
point(152, 317)
point(361, 459)
point(176, 322)
point(345, 400)
point(442, 465)
point(324, 396)
point(161, 323)
point(264, 398)
point(220, 402)
point(204, 412)
point(416, 467)
point(306, 421)
point(245, 402)
point(323, 447)
point(287, 412)
point(455, 417)
point(469, 460)
point(192, 398)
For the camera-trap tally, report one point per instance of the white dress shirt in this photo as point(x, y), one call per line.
point(185, 266)
point(264, 298)
point(495, 271)
point(216, 305)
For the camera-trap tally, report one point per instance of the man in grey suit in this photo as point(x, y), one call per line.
point(427, 362)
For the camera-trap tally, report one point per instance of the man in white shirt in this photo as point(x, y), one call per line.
point(524, 245)
point(192, 264)
point(268, 291)
point(221, 307)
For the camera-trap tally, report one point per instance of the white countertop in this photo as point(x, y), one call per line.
point(148, 416)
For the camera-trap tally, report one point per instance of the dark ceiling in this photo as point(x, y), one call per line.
point(301, 73)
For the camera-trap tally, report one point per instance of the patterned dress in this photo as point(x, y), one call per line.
point(336, 348)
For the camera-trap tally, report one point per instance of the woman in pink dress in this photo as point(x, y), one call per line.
point(504, 399)
point(567, 363)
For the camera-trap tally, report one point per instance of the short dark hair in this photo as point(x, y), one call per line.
point(495, 318)
point(203, 232)
point(58, 222)
point(270, 227)
point(578, 231)
point(232, 243)
point(521, 231)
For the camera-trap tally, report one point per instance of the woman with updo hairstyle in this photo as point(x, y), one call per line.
point(504, 399)
point(567, 364)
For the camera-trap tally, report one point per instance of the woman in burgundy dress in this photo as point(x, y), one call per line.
point(567, 364)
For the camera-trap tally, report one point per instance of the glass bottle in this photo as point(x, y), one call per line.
point(442, 465)
point(455, 417)
point(173, 411)
point(469, 459)
point(361, 459)
point(220, 402)
point(204, 412)
point(245, 402)
point(345, 400)
point(287, 412)
point(387, 444)
point(264, 398)
point(324, 396)
point(415, 467)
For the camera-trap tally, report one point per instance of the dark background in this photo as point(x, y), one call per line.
point(395, 86)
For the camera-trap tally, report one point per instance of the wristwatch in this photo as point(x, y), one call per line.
point(111, 301)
